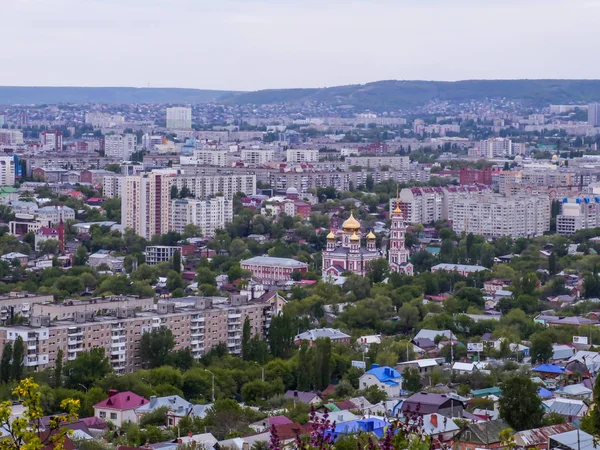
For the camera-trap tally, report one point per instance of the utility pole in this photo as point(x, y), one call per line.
point(213, 384)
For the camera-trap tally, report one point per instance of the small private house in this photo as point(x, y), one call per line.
point(310, 398)
point(424, 403)
point(538, 437)
point(177, 407)
point(385, 378)
point(481, 435)
point(425, 366)
point(119, 408)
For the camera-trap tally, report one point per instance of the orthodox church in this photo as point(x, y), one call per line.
point(350, 256)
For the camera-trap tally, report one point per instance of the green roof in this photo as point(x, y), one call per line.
point(487, 391)
point(8, 189)
point(331, 407)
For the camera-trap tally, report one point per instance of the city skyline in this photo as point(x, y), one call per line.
point(260, 44)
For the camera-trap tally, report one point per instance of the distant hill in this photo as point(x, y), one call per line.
point(392, 95)
point(377, 96)
point(11, 95)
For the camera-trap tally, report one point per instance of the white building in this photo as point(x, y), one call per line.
point(204, 186)
point(578, 213)
point(112, 185)
point(51, 140)
point(210, 215)
point(385, 378)
point(120, 146)
point(495, 147)
point(11, 137)
point(209, 157)
point(257, 156)
point(300, 156)
point(7, 170)
point(493, 215)
point(156, 254)
point(103, 120)
point(594, 114)
point(146, 203)
point(179, 117)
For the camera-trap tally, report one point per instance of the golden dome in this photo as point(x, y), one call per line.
point(397, 210)
point(351, 224)
point(331, 235)
point(354, 237)
point(371, 235)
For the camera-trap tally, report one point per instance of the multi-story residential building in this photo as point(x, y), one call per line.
point(146, 203)
point(549, 176)
point(104, 306)
point(210, 157)
point(301, 155)
point(94, 176)
point(103, 120)
point(377, 162)
point(472, 176)
point(11, 137)
point(268, 269)
point(51, 140)
point(226, 184)
point(493, 215)
point(257, 156)
point(20, 304)
point(7, 170)
point(196, 322)
point(495, 147)
point(504, 178)
point(120, 146)
point(179, 117)
point(55, 160)
point(156, 254)
point(112, 185)
point(578, 213)
point(210, 215)
point(594, 114)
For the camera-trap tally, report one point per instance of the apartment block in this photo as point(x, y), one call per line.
point(210, 215)
point(179, 117)
point(377, 162)
point(495, 147)
point(578, 213)
point(103, 120)
point(300, 156)
point(11, 137)
point(112, 185)
point(15, 304)
point(210, 157)
point(494, 215)
point(7, 170)
point(146, 203)
point(120, 146)
point(198, 323)
point(226, 184)
point(51, 140)
point(257, 156)
point(156, 254)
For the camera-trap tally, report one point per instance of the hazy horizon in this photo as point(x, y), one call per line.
point(247, 45)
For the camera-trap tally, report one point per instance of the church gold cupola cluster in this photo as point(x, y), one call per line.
point(345, 251)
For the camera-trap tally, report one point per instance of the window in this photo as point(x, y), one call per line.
point(113, 416)
point(102, 415)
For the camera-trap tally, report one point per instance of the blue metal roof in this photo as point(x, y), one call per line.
point(384, 373)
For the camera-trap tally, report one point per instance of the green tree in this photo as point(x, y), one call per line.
point(174, 281)
point(541, 349)
point(87, 368)
point(81, 256)
point(176, 263)
point(49, 247)
point(411, 380)
point(595, 412)
point(156, 347)
point(192, 231)
point(18, 359)
point(5, 367)
point(378, 270)
point(246, 339)
point(58, 368)
point(520, 404)
point(552, 263)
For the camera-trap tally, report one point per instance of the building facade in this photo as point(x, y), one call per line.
point(210, 215)
point(268, 269)
point(120, 146)
point(179, 117)
point(146, 203)
point(7, 170)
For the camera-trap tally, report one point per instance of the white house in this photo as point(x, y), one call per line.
point(119, 408)
point(385, 378)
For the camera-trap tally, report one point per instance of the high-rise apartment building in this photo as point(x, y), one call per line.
point(300, 156)
point(7, 170)
point(179, 117)
point(495, 147)
point(210, 157)
point(146, 203)
point(594, 114)
point(200, 323)
point(578, 213)
point(120, 146)
point(494, 215)
point(257, 156)
point(112, 185)
point(210, 215)
point(51, 140)
point(204, 186)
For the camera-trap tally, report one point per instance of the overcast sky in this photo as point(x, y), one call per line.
point(259, 44)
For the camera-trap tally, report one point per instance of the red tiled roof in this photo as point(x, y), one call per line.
point(122, 401)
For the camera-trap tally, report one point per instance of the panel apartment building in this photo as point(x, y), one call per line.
point(210, 215)
point(494, 215)
point(199, 323)
point(578, 213)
